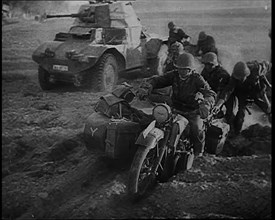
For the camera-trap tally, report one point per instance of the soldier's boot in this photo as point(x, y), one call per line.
point(238, 121)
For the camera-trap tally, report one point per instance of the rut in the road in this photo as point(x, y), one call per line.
point(88, 177)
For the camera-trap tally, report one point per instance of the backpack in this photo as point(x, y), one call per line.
point(116, 105)
point(111, 106)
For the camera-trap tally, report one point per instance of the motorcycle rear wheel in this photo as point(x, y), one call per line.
point(141, 178)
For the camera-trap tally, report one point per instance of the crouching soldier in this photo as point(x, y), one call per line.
point(176, 34)
point(186, 84)
point(206, 43)
point(248, 81)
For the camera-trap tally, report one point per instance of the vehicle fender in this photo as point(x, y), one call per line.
point(86, 57)
point(96, 51)
point(52, 45)
point(182, 122)
point(153, 45)
point(150, 139)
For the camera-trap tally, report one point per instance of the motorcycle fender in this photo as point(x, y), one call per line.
point(182, 122)
point(151, 139)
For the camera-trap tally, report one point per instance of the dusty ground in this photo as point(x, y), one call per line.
point(48, 173)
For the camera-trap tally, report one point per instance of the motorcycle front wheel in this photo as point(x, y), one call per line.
point(141, 176)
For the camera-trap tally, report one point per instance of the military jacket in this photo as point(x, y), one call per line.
point(176, 34)
point(207, 45)
point(217, 78)
point(184, 91)
point(252, 86)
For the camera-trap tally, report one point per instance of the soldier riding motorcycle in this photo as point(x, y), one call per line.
point(164, 148)
point(177, 134)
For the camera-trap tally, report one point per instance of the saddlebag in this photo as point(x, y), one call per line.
point(111, 106)
point(216, 136)
point(115, 137)
point(120, 139)
point(95, 131)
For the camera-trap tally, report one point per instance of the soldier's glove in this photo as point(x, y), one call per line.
point(144, 90)
point(217, 107)
point(142, 93)
point(199, 97)
point(204, 109)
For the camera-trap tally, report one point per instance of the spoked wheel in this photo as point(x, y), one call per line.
point(167, 169)
point(141, 177)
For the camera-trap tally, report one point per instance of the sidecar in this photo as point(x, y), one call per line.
point(115, 137)
point(115, 125)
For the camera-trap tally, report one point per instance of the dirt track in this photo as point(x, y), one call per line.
point(48, 173)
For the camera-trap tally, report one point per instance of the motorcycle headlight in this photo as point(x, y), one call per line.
point(161, 112)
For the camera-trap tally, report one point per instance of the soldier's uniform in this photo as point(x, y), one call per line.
point(252, 88)
point(217, 78)
point(206, 44)
point(173, 52)
point(183, 99)
point(176, 34)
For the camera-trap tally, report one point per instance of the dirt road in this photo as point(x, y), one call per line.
point(48, 173)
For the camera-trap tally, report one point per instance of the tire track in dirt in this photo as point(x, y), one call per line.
point(84, 181)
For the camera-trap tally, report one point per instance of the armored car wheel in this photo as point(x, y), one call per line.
point(44, 79)
point(106, 73)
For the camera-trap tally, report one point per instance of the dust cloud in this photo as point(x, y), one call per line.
point(182, 5)
point(31, 8)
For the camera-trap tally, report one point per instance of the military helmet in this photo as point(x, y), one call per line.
point(185, 60)
point(210, 57)
point(240, 71)
point(171, 24)
point(202, 35)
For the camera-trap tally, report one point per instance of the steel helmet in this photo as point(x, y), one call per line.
point(185, 60)
point(202, 35)
point(171, 24)
point(210, 57)
point(240, 71)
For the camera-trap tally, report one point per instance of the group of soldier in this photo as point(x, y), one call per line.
point(218, 88)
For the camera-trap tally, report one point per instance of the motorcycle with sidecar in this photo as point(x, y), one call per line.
point(157, 145)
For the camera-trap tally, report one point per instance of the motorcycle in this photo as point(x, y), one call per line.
point(164, 148)
point(156, 145)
